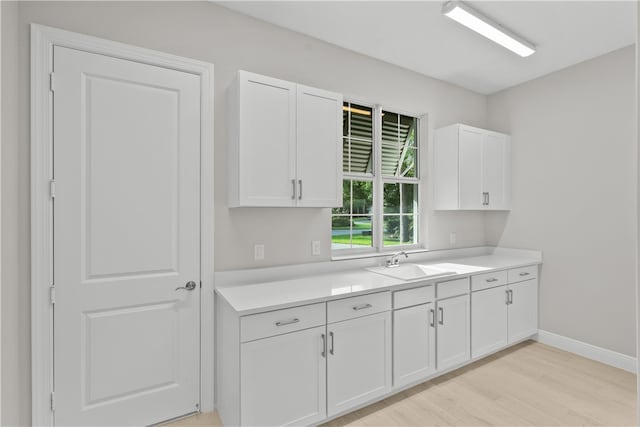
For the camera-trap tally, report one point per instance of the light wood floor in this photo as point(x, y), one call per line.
point(529, 384)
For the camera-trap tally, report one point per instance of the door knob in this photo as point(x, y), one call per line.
point(189, 286)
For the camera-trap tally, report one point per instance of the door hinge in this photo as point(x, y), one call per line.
point(53, 402)
point(52, 294)
point(52, 82)
point(52, 189)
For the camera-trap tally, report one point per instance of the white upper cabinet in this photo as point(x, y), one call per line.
point(285, 144)
point(472, 169)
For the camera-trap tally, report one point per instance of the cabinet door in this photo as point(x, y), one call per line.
point(358, 361)
point(453, 340)
point(283, 379)
point(488, 320)
point(523, 310)
point(267, 138)
point(319, 148)
point(494, 150)
point(470, 168)
point(413, 344)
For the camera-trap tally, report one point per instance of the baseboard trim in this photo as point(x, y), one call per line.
point(608, 357)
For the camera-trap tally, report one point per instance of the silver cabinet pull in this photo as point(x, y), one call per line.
point(361, 306)
point(510, 296)
point(293, 189)
point(507, 295)
point(485, 199)
point(432, 315)
point(524, 274)
point(441, 312)
point(288, 322)
point(188, 287)
point(324, 346)
point(299, 189)
point(331, 349)
point(492, 279)
point(488, 199)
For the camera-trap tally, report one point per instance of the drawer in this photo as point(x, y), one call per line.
point(279, 322)
point(523, 273)
point(453, 288)
point(415, 296)
point(350, 308)
point(488, 280)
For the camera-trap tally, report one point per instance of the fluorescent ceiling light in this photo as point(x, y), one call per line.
point(484, 26)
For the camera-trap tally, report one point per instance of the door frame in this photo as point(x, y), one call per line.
point(43, 39)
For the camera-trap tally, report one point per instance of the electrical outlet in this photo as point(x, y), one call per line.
point(258, 252)
point(452, 238)
point(315, 247)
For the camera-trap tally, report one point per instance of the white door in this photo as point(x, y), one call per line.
point(470, 168)
point(493, 163)
point(126, 235)
point(268, 135)
point(358, 361)
point(488, 320)
point(284, 379)
point(523, 310)
point(414, 333)
point(319, 148)
point(453, 339)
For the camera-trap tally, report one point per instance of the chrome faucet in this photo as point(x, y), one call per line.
point(394, 261)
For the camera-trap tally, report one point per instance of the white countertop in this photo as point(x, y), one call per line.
point(271, 295)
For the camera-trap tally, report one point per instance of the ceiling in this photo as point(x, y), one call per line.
point(415, 35)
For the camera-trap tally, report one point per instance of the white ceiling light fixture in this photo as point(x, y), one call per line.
point(484, 26)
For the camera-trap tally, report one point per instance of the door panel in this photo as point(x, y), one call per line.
point(268, 125)
point(453, 338)
point(470, 169)
point(493, 154)
point(284, 379)
point(358, 361)
point(319, 130)
point(523, 310)
point(488, 320)
point(126, 234)
point(413, 344)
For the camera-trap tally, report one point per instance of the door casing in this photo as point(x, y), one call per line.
point(43, 39)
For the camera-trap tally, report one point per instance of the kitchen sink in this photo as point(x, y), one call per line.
point(411, 271)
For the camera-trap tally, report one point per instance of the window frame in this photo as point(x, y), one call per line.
point(378, 180)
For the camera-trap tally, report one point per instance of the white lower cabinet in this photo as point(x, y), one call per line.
point(358, 361)
point(414, 346)
point(453, 332)
point(283, 379)
point(489, 320)
point(523, 310)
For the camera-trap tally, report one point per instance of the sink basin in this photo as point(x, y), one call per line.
point(411, 271)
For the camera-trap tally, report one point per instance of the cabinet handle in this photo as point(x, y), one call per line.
point(287, 322)
point(441, 312)
point(488, 199)
point(507, 295)
point(299, 189)
point(432, 314)
point(361, 306)
point(331, 349)
point(485, 199)
point(493, 279)
point(324, 346)
point(524, 274)
point(293, 189)
point(510, 296)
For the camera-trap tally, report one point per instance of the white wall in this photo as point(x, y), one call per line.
point(574, 195)
point(231, 41)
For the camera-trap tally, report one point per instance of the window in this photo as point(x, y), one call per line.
point(381, 180)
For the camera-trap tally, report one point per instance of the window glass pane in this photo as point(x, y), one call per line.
point(357, 129)
point(400, 230)
point(351, 225)
point(400, 198)
point(398, 139)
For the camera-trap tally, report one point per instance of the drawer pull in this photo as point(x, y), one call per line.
point(524, 274)
point(441, 311)
point(493, 279)
point(361, 306)
point(288, 322)
point(331, 336)
point(432, 322)
point(324, 346)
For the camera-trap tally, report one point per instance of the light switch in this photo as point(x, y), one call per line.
point(258, 252)
point(315, 247)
